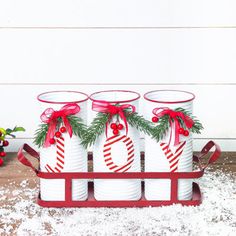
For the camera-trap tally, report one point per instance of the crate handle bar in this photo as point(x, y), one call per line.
point(205, 150)
point(29, 150)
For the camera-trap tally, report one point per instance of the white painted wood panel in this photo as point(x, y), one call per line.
point(117, 13)
point(118, 55)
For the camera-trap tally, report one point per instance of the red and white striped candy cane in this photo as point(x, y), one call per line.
point(173, 158)
point(60, 151)
point(108, 155)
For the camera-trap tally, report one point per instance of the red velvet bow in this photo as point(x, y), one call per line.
point(174, 121)
point(106, 107)
point(50, 117)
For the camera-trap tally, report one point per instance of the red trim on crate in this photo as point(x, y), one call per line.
point(143, 202)
point(168, 102)
point(92, 202)
point(123, 175)
point(62, 91)
point(121, 101)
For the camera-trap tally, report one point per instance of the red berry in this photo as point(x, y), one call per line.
point(2, 154)
point(63, 129)
point(186, 133)
point(154, 119)
point(113, 126)
point(115, 131)
point(120, 126)
point(181, 131)
point(52, 141)
point(1, 161)
point(58, 134)
point(5, 143)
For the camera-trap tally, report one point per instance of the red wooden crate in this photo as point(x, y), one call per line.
point(92, 202)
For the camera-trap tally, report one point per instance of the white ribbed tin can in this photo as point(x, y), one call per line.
point(155, 153)
point(110, 150)
point(75, 155)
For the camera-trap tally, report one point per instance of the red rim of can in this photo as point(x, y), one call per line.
point(61, 102)
point(168, 102)
point(137, 96)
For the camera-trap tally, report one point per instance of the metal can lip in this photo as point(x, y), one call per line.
point(189, 96)
point(134, 96)
point(46, 97)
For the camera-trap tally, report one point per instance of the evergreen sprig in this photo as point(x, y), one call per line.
point(197, 126)
point(78, 128)
point(96, 128)
point(163, 125)
point(40, 135)
point(159, 131)
point(140, 123)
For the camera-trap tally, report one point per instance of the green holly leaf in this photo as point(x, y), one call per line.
point(16, 129)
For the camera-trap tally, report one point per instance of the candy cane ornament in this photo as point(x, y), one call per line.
point(108, 155)
point(173, 158)
point(60, 151)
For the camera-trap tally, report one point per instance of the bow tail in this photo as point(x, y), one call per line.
point(188, 122)
point(176, 128)
point(67, 125)
point(50, 133)
point(122, 116)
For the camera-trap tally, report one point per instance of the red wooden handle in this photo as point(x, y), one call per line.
point(205, 150)
point(29, 150)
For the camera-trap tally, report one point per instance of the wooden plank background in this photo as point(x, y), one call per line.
point(128, 44)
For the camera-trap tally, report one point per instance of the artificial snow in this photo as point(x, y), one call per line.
point(216, 215)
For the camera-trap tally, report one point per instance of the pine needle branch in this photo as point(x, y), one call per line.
point(197, 126)
point(160, 130)
point(79, 129)
point(139, 122)
point(96, 128)
point(40, 135)
point(163, 125)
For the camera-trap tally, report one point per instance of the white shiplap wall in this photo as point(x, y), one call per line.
point(141, 45)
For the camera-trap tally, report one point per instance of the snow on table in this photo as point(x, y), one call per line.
point(216, 216)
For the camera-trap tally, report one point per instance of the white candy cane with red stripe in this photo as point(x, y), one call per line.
point(108, 155)
point(60, 151)
point(173, 158)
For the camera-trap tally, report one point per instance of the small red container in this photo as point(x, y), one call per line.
point(91, 202)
